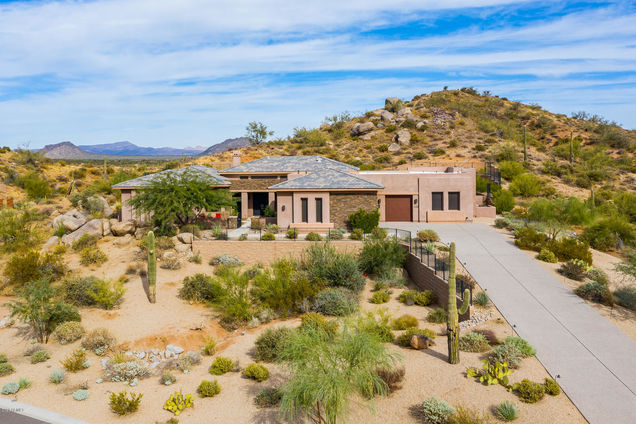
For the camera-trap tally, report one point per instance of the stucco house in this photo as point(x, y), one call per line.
point(314, 193)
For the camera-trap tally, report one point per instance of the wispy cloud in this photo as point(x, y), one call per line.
point(193, 72)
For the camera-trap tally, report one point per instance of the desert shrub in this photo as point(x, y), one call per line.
point(392, 377)
point(221, 365)
point(35, 186)
point(546, 255)
point(378, 256)
point(256, 372)
point(481, 299)
point(416, 297)
point(336, 301)
point(381, 296)
point(200, 288)
point(25, 267)
point(379, 234)
point(271, 343)
point(3, 358)
point(10, 388)
point(339, 269)
point(529, 391)
point(40, 356)
point(529, 239)
point(508, 353)
point(76, 290)
point(404, 339)
point(99, 341)
point(376, 324)
point(80, 395)
point(57, 377)
point(6, 369)
point(503, 200)
point(574, 270)
point(507, 411)
point(626, 297)
point(209, 346)
point(509, 169)
point(526, 185)
point(427, 236)
point(473, 342)
point(335, 234)
point(364, 220)
point(171, 263)
point(68, 332)
point(292, 234)
point(234, 302)
point(524, 347)
point(314, 321)
point(24, 383)
point(92, 256)
point(313, 237)
point(405, 321)
point(500, 223)
point(226, 260)
point(167, 378)
point(490, 336)
point(605, 233)
point(433, 411)
point(124, 403)
point(268, 398)
point(86, 240)
point(595, 292)
point(438, 316)
point(357, 234)
point(128, 370)
point(107, 294)
point(567, 248)
point(187, 360)
point(268, 237)
point(551, 387)
point(76, 361)
point(209, 388)
point(195, 259)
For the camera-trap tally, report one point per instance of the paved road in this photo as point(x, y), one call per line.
point(13, 412)
point(596, 362)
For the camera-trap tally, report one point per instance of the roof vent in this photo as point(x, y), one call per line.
point(450, 170)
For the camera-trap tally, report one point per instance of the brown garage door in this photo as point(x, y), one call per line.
point(398, 208)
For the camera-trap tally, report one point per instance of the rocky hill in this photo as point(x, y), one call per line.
point(126, 148)
point(66, 150)
point(224, 146)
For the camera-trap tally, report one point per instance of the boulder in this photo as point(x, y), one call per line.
point(405, 111)
point(390, 101)
point(394, 147)
point(381, 125)
point(92, 227)
point(173, 349)
point(51, 242)
point(106, 228)
point(122, 228)
point(403, 137)
point(71, 220)
point(182, 248)
point(369, 136)
point(360, 129)
point(141, 233)
point(386, 116)
point(185, 238)
point(123, 240)
point(421, 342)
point(420, 125)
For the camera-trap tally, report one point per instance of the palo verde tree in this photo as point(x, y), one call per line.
point(257, 132)
point(179, 198)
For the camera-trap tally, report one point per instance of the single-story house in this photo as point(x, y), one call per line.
point(314, 193)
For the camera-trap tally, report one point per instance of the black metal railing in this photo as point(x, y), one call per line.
point(492, 173)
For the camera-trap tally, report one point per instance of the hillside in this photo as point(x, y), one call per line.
point(463, 126)
point(66, 150)
point(224, 146)
point(129, 149)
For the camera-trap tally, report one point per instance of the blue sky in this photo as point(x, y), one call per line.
point(194, 72)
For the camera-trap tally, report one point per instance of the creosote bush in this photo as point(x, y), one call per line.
point(336, 301)
point(221, 365)
point(405, 321)
point(68, 332)
point(271, 342)
point(380, 255)
point(256, 372)
point(99, 341)
point(209, 388)
point(92, 256)
point(124, 403)
point(416, 297)
point(200, 288)
point(529, 391)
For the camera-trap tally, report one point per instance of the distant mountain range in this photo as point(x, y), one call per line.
point(68, 150)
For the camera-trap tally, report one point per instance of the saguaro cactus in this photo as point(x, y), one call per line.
point(571, 147)
point(525, 148)
point(152, 268)
point(105, 170)
point(452, 323)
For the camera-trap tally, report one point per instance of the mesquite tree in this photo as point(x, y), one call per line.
point(452, 323)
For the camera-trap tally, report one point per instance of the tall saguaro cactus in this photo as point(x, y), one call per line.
point(452, 323)
point(525, 148)
point(571, 147)
point(152, 268)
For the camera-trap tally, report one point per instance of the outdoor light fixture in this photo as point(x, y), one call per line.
point(282, 208)
point(415, 201)
point(379, 201)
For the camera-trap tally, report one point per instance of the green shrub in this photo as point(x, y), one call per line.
point(552, 387)
point(546, 255)
point(434, 411)
point(626, 297)
point(314, 321)
point(200, 288)
point(40, 356)
point(567, 248)
point(509, 169)
point(376, 326)
point(6, 369)
point(292, 233)
point(526, 185)
point(24, 383)
point(221, 365)
point(35, 186)
point(271, 343)
point(108, 294)
point(501, 223)
point(338, 269)
point(92, 256)
point(336, 234)
point(574, 270)
point(336, 301)
point(438, 316)
point(167, 378)
point(68, 332)
point(25, 267)
point(57, 377)
point(10, 388)
point(595, 292)
point(209, 346)
point(365, 220)
point(506, 353)
point(605, 233)
point(86, 240)
point(427, 236)
point(503, 200)
point(268, 398)
point(529, 391)
point(313, 237)
point(524, 347)
point(3, 358)
point(195, 259)
point(481, 299)
point(473, 342)
point(378, 256)
point(209, 388)
point(268, 236)
point(76, 290)
point(404, 339)
point(99, 341)
point(380, 296)
point(357, 234)
point(124, 403)
point(415, 297)
point(76, 361)
point(405, 321)
point(256, 372)
point(507, 411)
point(529, 239)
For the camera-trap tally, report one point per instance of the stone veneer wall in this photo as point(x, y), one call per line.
point(256, 184)
point(342, 204)
point(425, 278)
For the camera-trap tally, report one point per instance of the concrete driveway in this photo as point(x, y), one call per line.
point(592, 360)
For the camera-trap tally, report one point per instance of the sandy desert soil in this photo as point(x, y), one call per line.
point(138, 324)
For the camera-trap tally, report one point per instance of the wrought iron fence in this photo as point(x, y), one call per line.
point(492, 173)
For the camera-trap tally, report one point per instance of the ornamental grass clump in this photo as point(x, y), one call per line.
point(437, 316)
point(507, 411)
point(57, 376)
point(40, 356)
point(256, 372)
point(76, 361)
point(473, 342)
point(209, 388)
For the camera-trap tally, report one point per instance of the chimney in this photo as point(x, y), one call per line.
point(236, 157)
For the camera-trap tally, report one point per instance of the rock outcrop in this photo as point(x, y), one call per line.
point(362, 128)
point(122, 228)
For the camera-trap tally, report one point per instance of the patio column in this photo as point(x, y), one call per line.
point(244, 205)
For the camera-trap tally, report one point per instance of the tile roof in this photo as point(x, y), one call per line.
point(328, 179)
point(145, 180)
point(290, 164)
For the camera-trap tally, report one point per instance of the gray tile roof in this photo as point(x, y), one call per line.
point(290, 164)
point(328, 179)
point(145, 180)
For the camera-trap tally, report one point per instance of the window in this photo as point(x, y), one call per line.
point(303, 209)
point(438, 201)
point(319, 210)
point(453, 200)
point(243, 177)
